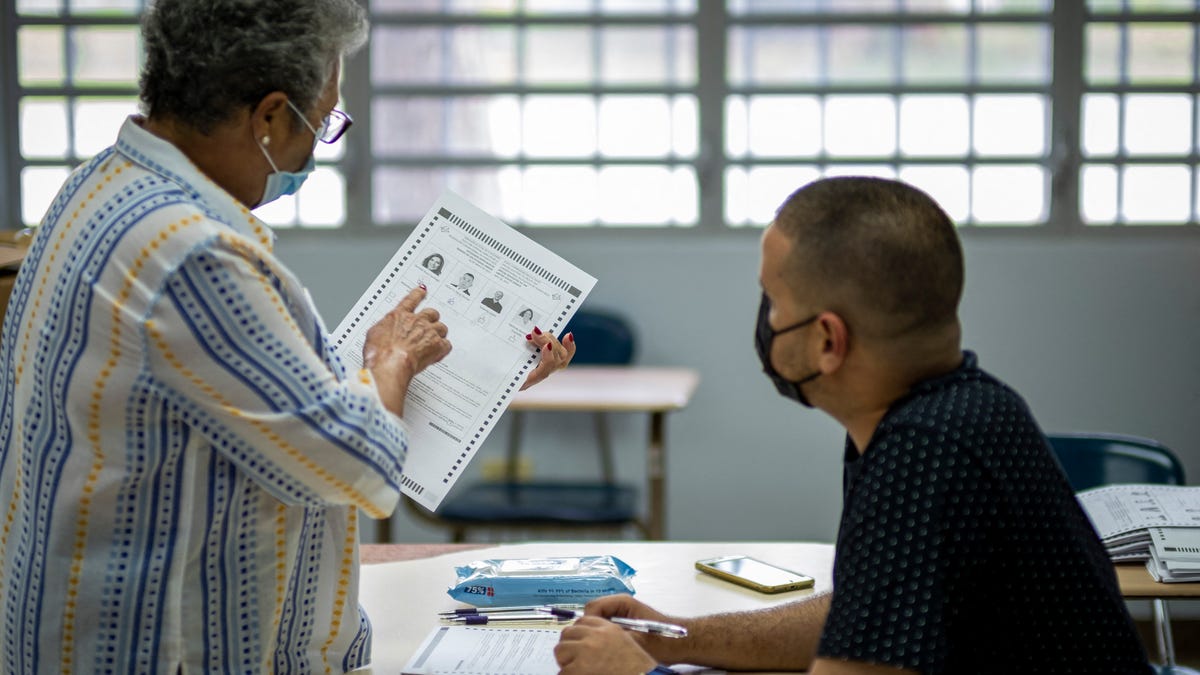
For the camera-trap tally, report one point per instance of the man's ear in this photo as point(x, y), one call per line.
point(269, 119)
point(835, 341)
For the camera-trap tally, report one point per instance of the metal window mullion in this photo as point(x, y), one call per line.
point(10, 135)
point(971, 162)
point(1192, 184)
point(358, 164)
point(1066, 100)
point(1122, 79)
point(711, 49)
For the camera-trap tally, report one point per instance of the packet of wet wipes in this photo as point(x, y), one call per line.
point(541, 581)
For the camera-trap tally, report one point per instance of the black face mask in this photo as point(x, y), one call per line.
point(764, 336)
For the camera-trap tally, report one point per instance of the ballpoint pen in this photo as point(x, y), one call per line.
point(640, 625)
point(468, 611)
point(513, 617)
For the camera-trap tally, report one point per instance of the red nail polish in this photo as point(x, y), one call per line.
point(528, 336)
point(548, 347)
point(537, 331)
point(570, 337)
point(422, 286)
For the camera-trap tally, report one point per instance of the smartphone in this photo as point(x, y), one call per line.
point(754, 573)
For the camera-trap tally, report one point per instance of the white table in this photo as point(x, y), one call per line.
point(403, 598)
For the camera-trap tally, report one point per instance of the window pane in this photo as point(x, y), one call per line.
point(324, 205)
point(860, 54)
point(876, 170)
point(468, 125)
point(97, 122)
point(558, 6)
point(559, 55)
point(647, 55)
point(860, 125)
point(106, 55)
point(1160, 53)
point(1156, 194)
point(559, 126)
point(934, 125)
point(1011, 195)
point(686, 126)
point(403, 195)
point(1158, 124)
point(449, 6)
point(774, 55)
point(753, 195)
point(1013, 53)
point(38, 186)
point(998, 6)
point(40, 54)
point(39, 6)
point(106, 7)
point(784, 126)
point(1007, 126)
point(1100, 115)
point(459, 55)
point(935, 54)
point(654, 195)
point(648, 6)
point(44, 128)
point(559, 195)
point(1102, 47)
point(280, 213)
point(950, 186)
point(635, 126)
point(1098, 194)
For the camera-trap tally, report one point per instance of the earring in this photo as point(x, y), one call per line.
point(266, 140)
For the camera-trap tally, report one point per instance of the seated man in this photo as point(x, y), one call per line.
point(961, 547)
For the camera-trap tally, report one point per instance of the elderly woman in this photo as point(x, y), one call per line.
point(182, 454)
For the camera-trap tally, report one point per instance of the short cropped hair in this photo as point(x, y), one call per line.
point(880, 252)
point(206, 59)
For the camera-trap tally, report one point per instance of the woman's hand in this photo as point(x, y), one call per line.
point(403, 343)
point(555, 355)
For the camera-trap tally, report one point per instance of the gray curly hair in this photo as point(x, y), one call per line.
point(205, 59)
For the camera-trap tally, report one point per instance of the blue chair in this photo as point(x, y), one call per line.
point(602, 338)
point(1094, 459)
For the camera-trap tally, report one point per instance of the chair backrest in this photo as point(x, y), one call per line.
point(1094, 459)
point(603, 338)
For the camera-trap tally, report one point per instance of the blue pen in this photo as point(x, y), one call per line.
point(640, 625)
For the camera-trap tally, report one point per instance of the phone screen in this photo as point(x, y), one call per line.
point(756, 571)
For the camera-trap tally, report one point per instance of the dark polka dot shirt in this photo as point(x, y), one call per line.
point(962, 548)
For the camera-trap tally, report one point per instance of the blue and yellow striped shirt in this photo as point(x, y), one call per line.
point(182, 454)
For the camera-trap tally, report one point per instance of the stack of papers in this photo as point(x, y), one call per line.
point(1159, 524)
point(1174, 554)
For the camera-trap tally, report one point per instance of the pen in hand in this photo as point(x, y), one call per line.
point(640, 625)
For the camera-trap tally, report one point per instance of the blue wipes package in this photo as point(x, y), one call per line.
point(540, 581)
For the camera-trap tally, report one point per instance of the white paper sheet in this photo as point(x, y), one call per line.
point(1120, 509)
point(467, 650)
point(453, 405)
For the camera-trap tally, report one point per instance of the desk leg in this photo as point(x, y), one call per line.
point(655, 461)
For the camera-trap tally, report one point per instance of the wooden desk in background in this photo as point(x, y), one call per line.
point(633, 389)
point(403, 598)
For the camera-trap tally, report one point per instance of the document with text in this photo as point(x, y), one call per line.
point(492, 285)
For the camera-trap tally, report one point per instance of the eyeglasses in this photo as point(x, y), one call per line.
point(333, 126)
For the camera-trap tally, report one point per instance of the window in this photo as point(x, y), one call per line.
point(691, 114)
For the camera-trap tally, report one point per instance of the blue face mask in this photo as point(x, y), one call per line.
point(280, 183)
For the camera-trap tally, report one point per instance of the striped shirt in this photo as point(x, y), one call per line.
point(182, 454)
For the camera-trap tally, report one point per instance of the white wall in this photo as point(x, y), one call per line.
point(1098, 333)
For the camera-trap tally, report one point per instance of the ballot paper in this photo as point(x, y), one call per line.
point(469, 650)
point(492, 286)
point(478, 650)
point(1124, 515)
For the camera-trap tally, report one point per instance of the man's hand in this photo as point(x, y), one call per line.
point(555, 355)
point(664, 649)
point(403, 343)
point(595, 646)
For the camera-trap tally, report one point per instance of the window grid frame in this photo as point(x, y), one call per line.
point(1065, 91)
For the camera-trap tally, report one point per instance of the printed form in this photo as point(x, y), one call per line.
point(491, 285)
